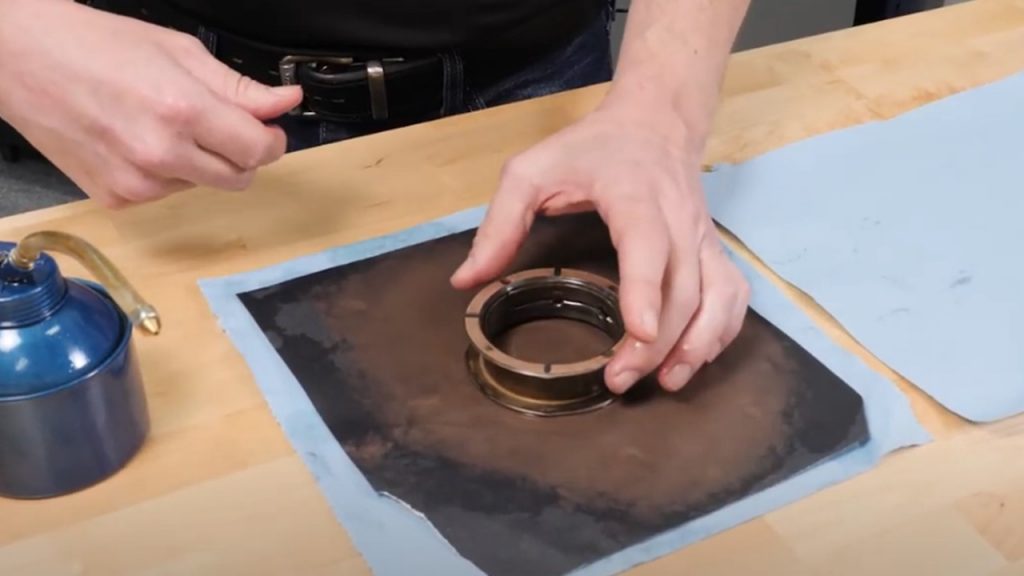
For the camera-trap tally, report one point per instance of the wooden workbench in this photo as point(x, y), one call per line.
point(218, 490)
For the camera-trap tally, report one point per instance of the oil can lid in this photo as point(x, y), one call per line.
point(53, 331)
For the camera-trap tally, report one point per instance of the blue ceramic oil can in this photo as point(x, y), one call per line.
point(72, 406)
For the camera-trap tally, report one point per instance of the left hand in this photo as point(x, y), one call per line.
point(682, 298)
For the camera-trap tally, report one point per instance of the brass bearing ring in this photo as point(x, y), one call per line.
point(535, 388)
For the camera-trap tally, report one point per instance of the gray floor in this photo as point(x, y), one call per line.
point(32, 183)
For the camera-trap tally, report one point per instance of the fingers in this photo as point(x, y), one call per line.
point(717, 322)
point(262, 101)
point(191, 141)
point(233, 134)
point(680, 299)
point(259, 100)
point(209, 169)
point(569, 208)
point(642, 241)
point(739, 315)
point(701, 341)
point(182, 119)
point(227, 120)
point(502, 232)
point(167, 158)
point(199, 137)
point(133, 187)
point(148, 189)
point(114, 182)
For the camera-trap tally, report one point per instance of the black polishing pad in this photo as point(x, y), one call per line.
point(379, 346)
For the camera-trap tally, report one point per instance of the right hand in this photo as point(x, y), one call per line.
point(132, 112)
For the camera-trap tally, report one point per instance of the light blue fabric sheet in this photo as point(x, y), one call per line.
point(908, 231)
point(398, 541)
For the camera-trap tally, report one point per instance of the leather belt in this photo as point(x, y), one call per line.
point(350, 86)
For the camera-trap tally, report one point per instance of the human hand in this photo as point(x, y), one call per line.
point(682, 299)
point(129, 111)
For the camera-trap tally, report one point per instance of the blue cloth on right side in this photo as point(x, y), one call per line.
point(907, 231)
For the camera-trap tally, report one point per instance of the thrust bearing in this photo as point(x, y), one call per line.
point(536, 388)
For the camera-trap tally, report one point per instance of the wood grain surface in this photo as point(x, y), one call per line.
point(218, 490)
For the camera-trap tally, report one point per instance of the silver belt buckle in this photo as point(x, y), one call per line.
point(288, 72)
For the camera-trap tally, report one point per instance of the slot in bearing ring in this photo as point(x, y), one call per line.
point(537, 388)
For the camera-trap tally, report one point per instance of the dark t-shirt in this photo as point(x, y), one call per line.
point(398, 24)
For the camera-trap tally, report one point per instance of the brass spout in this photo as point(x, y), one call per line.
point(141, 313)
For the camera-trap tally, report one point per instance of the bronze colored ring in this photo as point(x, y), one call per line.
point(536, 388)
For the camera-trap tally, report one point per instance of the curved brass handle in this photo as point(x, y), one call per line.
point(27, 251)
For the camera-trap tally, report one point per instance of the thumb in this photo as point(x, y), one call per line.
point(262, 101)
point(500, 235)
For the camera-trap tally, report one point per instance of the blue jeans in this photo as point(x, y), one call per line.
point(584, 60)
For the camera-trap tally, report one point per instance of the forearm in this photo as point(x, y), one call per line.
point(672, 61)
point(19, 36)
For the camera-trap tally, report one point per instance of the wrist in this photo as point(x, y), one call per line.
point(652, 110)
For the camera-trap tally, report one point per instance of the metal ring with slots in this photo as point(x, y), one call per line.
point(536, 388)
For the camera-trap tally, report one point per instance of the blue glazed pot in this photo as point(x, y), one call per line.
point(72, 405)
